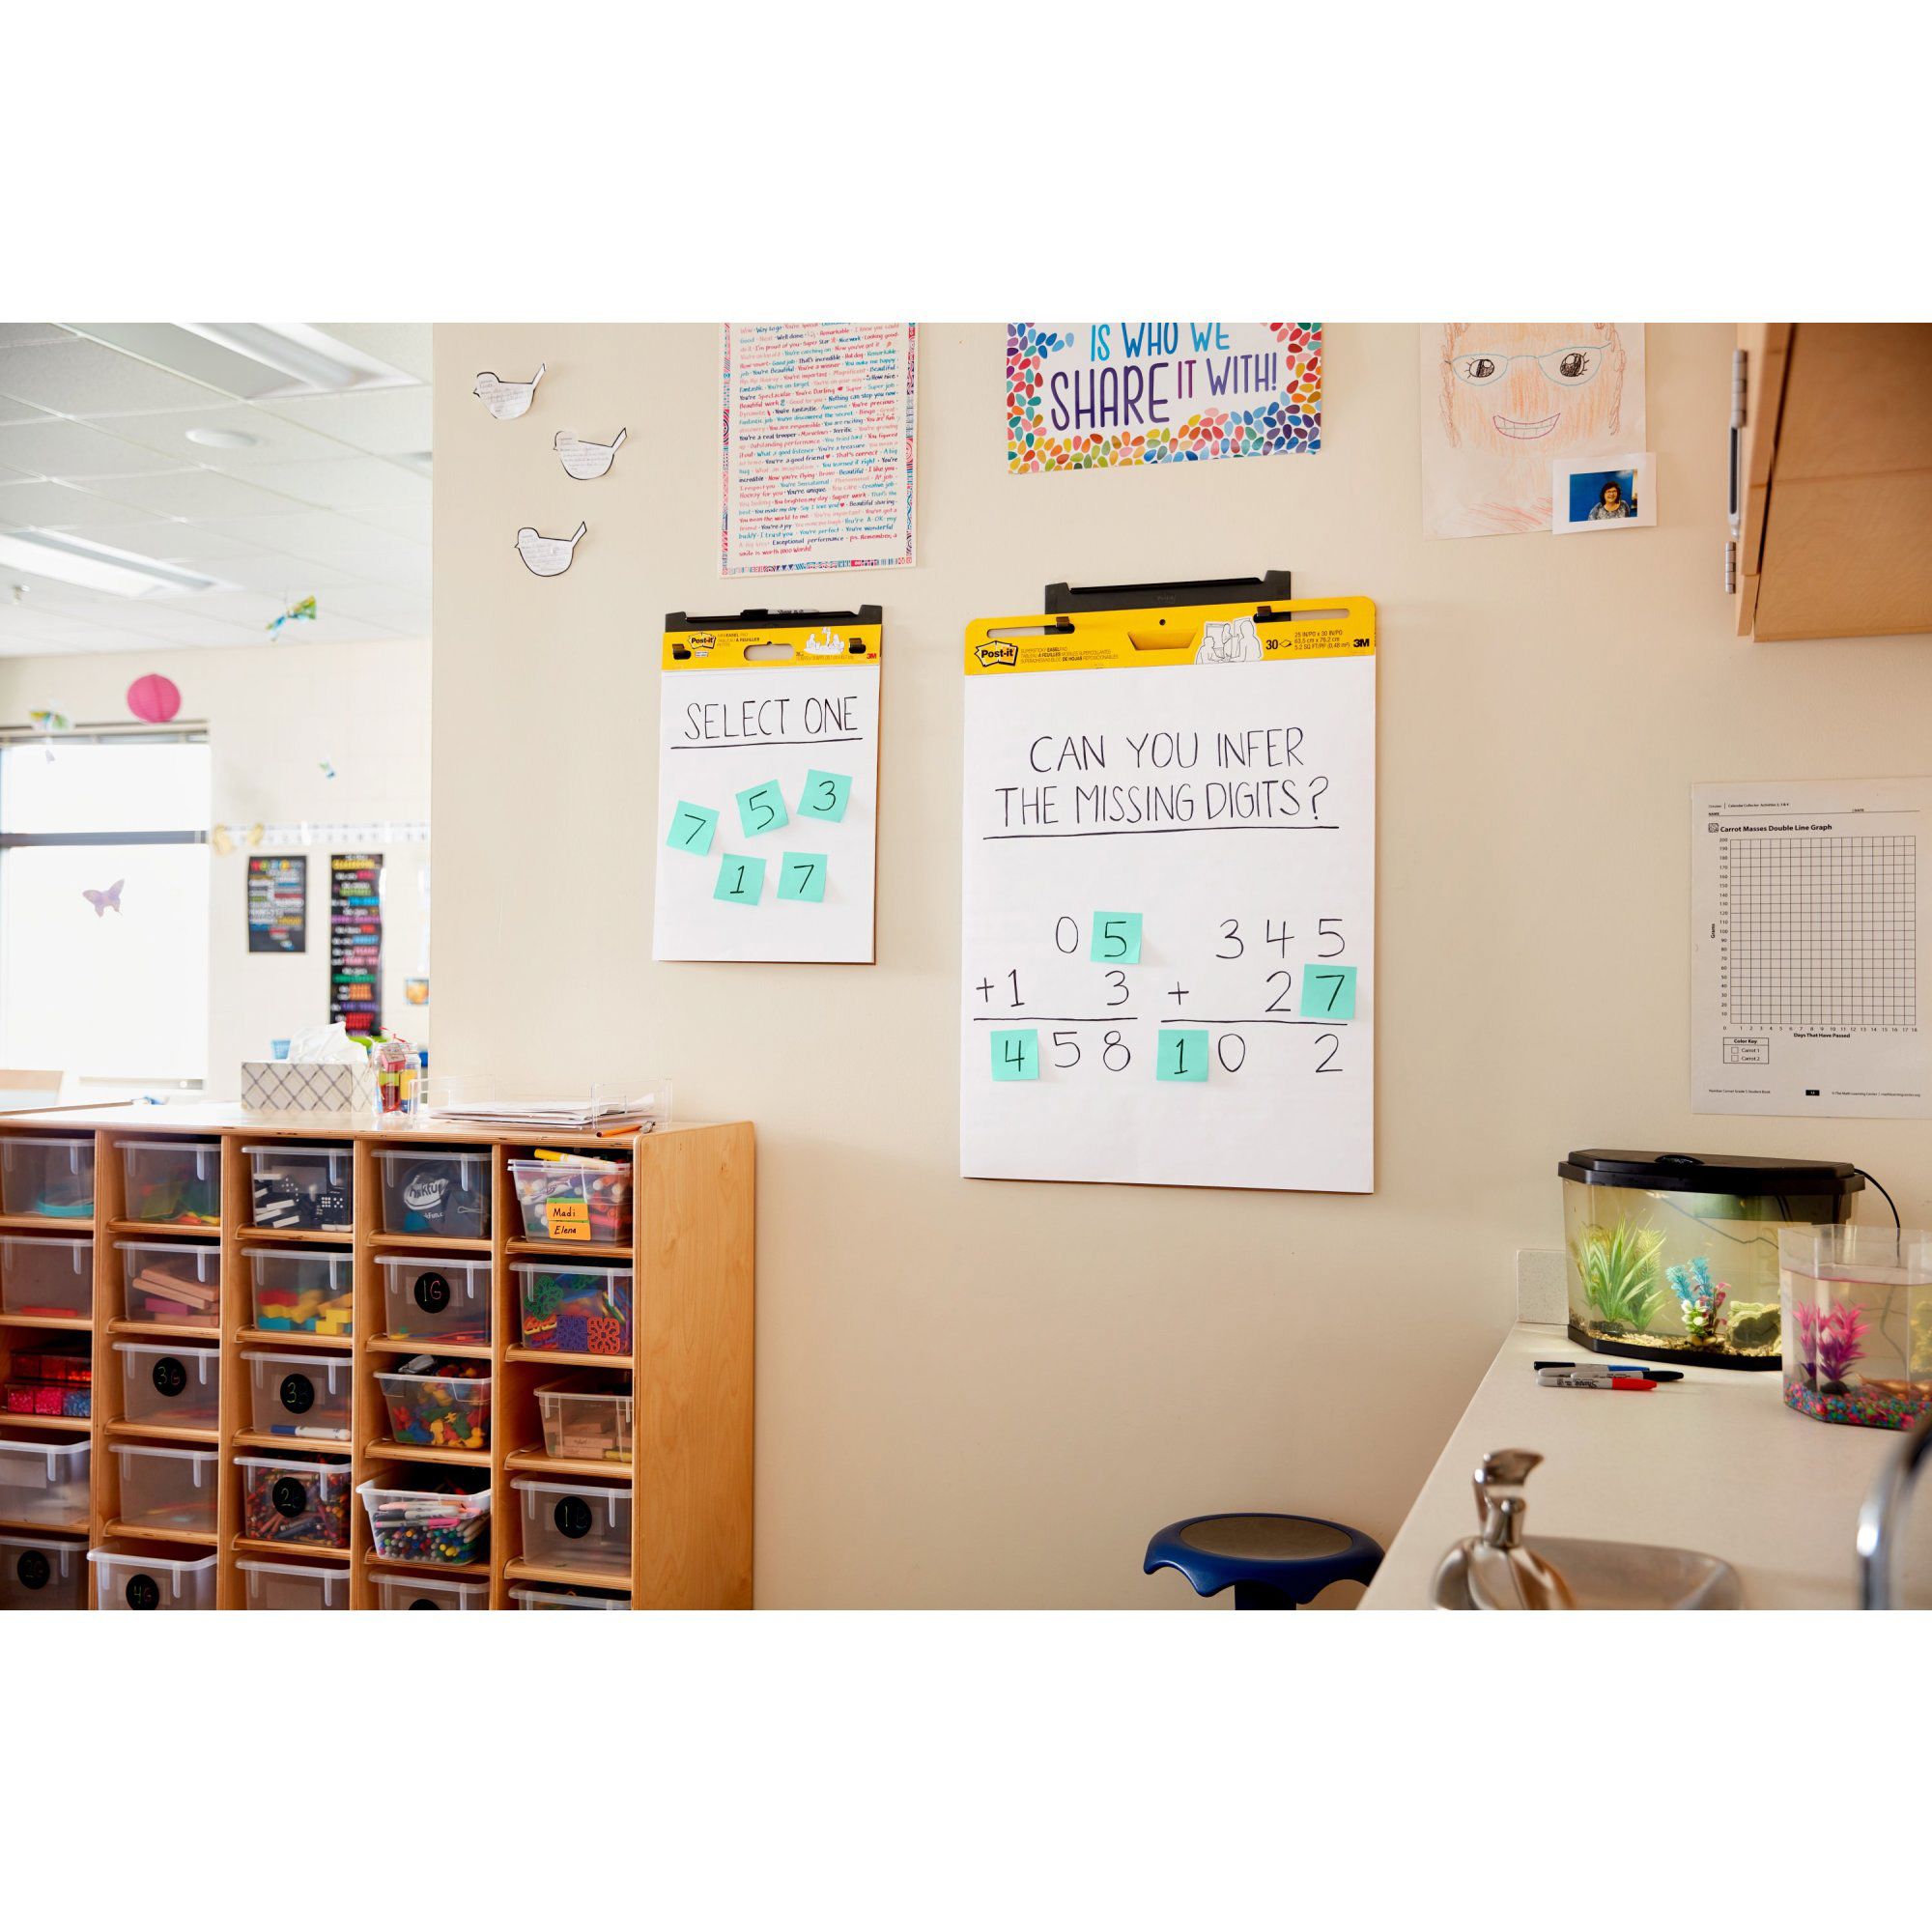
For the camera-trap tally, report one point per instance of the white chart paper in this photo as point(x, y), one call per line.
point(1808, 952)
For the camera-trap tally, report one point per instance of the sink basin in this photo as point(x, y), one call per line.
point(1614, 1576)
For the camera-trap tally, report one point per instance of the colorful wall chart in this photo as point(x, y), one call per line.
point(277, 902)
point(768, 770)
point(1168, 932)
point(819, 441)
point(355, 939)
point(1098, 395)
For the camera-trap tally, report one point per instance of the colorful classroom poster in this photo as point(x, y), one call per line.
point(1101, 395)
point(768, 773)
point(819, 443)
point(1502, 400)
point(1168, 918)
point(355, 939)
point(277, 902)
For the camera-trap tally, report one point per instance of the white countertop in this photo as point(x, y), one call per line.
point(1715, 1463)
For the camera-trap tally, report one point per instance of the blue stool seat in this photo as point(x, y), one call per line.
point(1274, 1562)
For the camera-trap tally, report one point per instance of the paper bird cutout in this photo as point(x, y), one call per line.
point(220, 840)
point(586, 460)
point(101, 902)
point(295, 614)
point(504, 400)
point(328, 770)
point(548, 557)
point(49, 720)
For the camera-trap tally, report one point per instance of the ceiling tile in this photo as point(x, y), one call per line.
point(171, 542)
point(11, 411)
point(354, 483)
point(276, 440)
point(60, 506)
point(26, 334)
point(198, 494)
point(286, 579)
point(412, 525)
point(403, 611)
point(408, 346)
point(178, 622)
point(385, 422)
point(56, 447)
point(84, 378)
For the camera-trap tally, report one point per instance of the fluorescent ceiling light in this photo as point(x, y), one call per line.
point(221, 438)
point(315, 361)
point(252, 360)
point(91, 566)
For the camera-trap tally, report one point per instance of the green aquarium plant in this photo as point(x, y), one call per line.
point(1618, 1268)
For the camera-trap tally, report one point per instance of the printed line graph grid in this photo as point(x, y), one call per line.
point(1823, 932)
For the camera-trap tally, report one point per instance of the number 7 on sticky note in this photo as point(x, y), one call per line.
point(690, 828)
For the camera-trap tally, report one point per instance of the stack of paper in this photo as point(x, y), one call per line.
point(562, 1114)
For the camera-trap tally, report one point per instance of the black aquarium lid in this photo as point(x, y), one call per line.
point(1709, 1173)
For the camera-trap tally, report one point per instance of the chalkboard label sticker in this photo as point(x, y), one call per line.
point(289, 1495)
point(1117, 939)
point(1328, 992)
point(424, 1603)
point(1183, 1054)
point(572, 1516)
point(1016, 1053)
point(432, 1291)
point(170, 1377)
point(298, 1394)
point(33, 1570)
point(142, 1593)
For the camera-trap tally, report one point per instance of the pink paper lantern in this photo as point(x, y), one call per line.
point(154, 698)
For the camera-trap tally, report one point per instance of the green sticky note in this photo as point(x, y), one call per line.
point(801, 876)
point(1327, 992)
point(690, 828)
point(824, 795)
point(1183, 1054)
point(1016, 1054)
point(762, 808)
point(740, 880)
point(1117, 939)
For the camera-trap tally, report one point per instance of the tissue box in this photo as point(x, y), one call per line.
point(308, 1087)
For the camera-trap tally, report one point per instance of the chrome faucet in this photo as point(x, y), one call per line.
point(1882, 1515)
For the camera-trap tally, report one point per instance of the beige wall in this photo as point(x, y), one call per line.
point(982, 1393)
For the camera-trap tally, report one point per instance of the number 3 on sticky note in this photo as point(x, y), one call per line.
point(1328, 992)
point(823, 795)
point(1016, 1054)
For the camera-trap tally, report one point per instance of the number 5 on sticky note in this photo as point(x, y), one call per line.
point(1016, 1054)
point(1117, 939)
point(1328, 992)
point(690, 828)
point(762, 808)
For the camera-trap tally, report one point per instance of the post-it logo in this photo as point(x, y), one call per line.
point(989, 655)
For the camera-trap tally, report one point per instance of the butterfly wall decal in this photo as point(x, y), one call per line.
point(103, 902)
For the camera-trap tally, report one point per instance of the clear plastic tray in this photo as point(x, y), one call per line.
point(433, 1191)
point(436, 1411)
point(298, 1500)
point(50, 1177)
point(428, 1298)
point(42, 1572)
point(39, 1276)
point(562, 1597)
point(291, 1184)
point(172, 1385)
point(585, 1423)
point(574, 1308)
point(177, 1282)
point(428, 1593)
point(303, 1397)
point(575, 1525)
point(294, 1587)
point(168, 1489)
point(447, 1525)
point(586, 1199)
point(172, 1183)
point(304, 1291)
point(44, 1481)
point(150, 1580)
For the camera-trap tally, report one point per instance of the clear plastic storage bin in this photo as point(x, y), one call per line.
point(150, 1580)
point(39, 1573)
point(178, 1281)
point(577, 1309)
point(429, 1298)
point(300, 1395)
point(585, 1423)
point(44, 1482)
point(42, 1277)
point(435, 1191)
point(575, 1525)
point(562, 1597)
point(172, 1183)
point(56, 1381)
point(429, 1593)
point(294, 1587)
point(302, 1291)
point(437, 1405)
point(582, 1199)
point(293, 1185)
point(167, 1489)
point(50, 1176)
point(443, 1519)
point(296, 1500)
point(172, 1385)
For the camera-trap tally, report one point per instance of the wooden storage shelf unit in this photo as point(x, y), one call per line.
point(690, 1372)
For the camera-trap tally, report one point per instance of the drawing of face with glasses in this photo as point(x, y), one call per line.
point(1529, 387)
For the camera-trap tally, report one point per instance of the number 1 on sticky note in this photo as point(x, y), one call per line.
point(1183, 1055)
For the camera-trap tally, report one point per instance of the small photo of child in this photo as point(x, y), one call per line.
point(1597, 495)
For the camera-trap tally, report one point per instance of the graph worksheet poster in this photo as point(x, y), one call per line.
point(1169, 899)
point(1807, 951)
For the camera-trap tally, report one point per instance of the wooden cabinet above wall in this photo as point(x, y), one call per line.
point(1836, 474)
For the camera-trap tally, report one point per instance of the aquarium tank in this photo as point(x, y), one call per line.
point(1674, 1257)
point(1858, 1324)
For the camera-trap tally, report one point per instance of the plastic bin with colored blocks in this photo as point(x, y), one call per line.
point(167, 1489)
point(562, 1597)
point(580, 1198)
point(428, 1593)
point(585, 1422)
point(173, 1183)
point(45, 1481)
point(304, 1291)
point(46, 1277)
point(126, 1579)
point(54, 1178)
point(575, 1525)
point(428, 1298)
point(440, 1516)
point(435, 1191)
point(42, 1572)
point(294, 1587)
point(56, 1381)
point(578, 1309)
point(178, 1281)
point(437, 1405)
point(171, 1384)
point(299, 1500)
point(295, 1185)
point(298, 1396)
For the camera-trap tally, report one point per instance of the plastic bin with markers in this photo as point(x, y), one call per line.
point(573, 1196)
